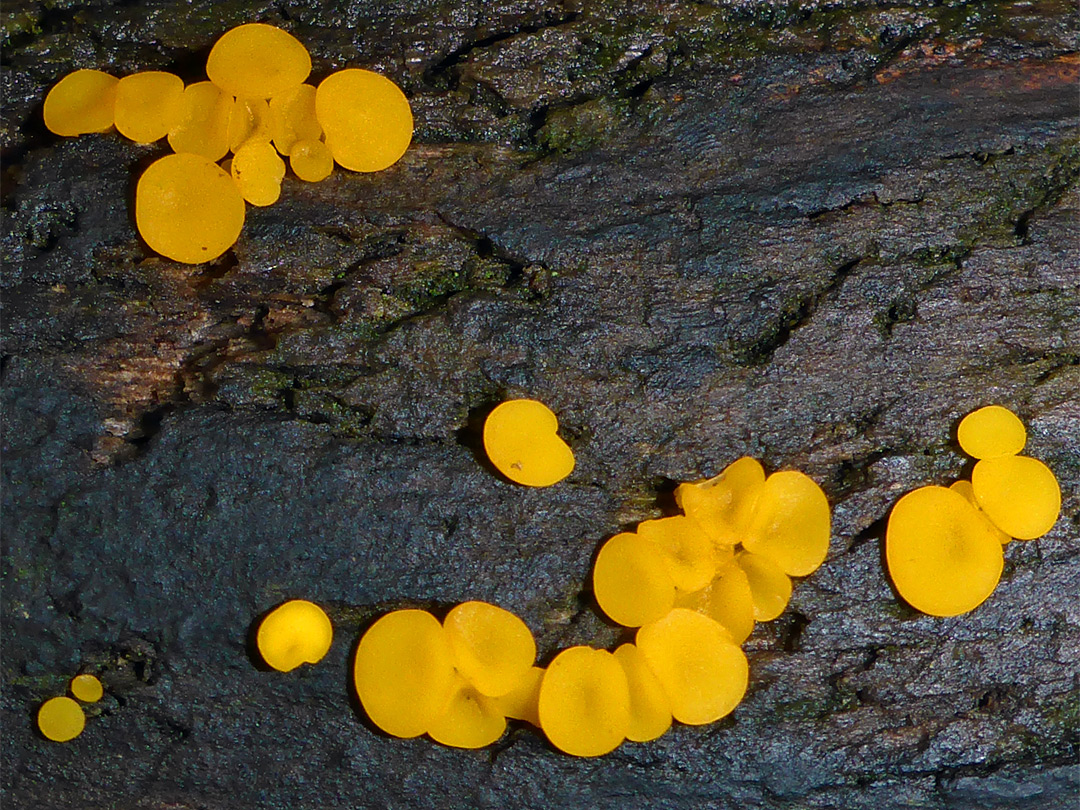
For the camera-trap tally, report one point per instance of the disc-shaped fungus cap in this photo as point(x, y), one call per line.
point(257, 61)
point(188, 209)
point(258, 172)
point(650, 708)
point(83, 101)
point(722, 505)
point(404, 672)
point(685, 549)
point(585, 702)
point(968, 491)
point(991, 432)
point(148, 105)
point(471, 720)
point(631, 581)
point(791, 523)
point(61, 719)
point(1019, 494)
point(249, 120)
point(202, 125)
point(292, 118)
point(943, 557)
point(523, 701)
point(520, 439)
point(311, 160)
point(703, 671)
point(728, 600)
point(770, 587)
point(294, 633)
point(366, 118)
point(86, 688)
point(493, 649)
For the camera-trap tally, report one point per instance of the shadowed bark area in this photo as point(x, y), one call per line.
point(818, 234)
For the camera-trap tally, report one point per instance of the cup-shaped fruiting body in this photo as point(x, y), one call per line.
point(631, 581)
point(292, 118)
point(470, 720)
point(249, 120)
point(722, 505)
point(294, 633)
point(258, 172)
point(188, 209)
point(311, 160)
point(585, 702)
point(728, 599)
point(81, 102)
point(943, 557)
point(61, 719)
point(770, 587)
point(86, 688)
point(404, 672)
point(685, 549)
point(148, 105)
point(791, 523)
point(366, 118)
point(991, 432)
point(1019, 494)
point(257, 61)
point(202, 125)
point(703, 671)
point(650, 707)
point(523, 701)
point(968, 491)
point(521, 440)
point(493, 649)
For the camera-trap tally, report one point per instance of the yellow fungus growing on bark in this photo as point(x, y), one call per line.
point(684, 548)
point(943, 557)
point(366, 118)
point(493, 649)
point(311, 160)
point(202, 126)
point(650, 708)
point(722, 505)
point(1019, 494)
point(728, 600)
point(702, 670)
point(523, 701)
point(521, 440)
point(470, 720)
point(61, 719)
point(791, 524)
point(258, 172)
point(585, 702)
point(86, 688)
point(965, 489)
point(404, 672)
point(292, 118)
point(294, 633)
point(188, 209)
point(257, 61)
point(83, 101)
point(148, 105)
point(770, 587)
point(631, 581)
point(249, 121)
point(991, 432)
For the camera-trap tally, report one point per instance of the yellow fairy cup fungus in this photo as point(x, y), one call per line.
point(650, 709)
point(83, 101)
point(943, 557)
point(366, 118)
point(493, 649)
point(728, 600)
point(292, 118)
point(404, 672)
point(188, 209)
point(295, 633)
point(702, 670)
point(684, 548)
point(585, 702)
point(523, 701)
point(770, 587)
point(631, 581)
point(86, 688)
point(791, 523)
point(148, 105)
point(722, 505)
point(991, 432)
point(61, 719)
point(258, 172)
point(202, 126)
point(965, 489)
point(311, 161)
point(257, 61)
point(471, 719)
point(520, 439)
point(1019, 494)
point(249, 120)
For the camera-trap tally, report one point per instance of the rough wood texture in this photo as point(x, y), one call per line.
point(817, 234)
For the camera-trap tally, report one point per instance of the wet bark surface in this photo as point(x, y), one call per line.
point(814, 234)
